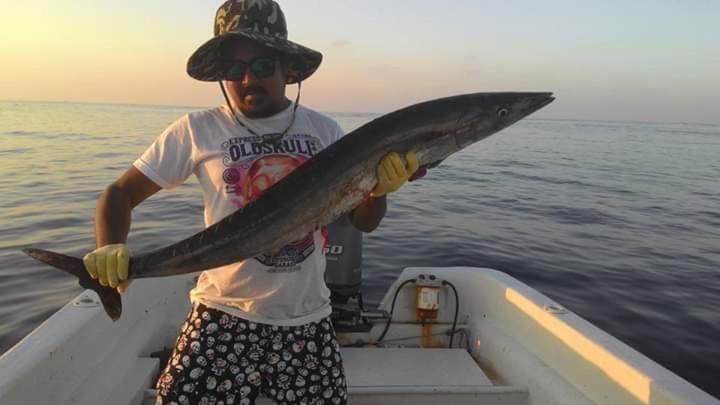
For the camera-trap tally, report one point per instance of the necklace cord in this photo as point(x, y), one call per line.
point(274, 137)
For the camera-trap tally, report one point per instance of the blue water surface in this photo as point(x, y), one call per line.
point(619, 222)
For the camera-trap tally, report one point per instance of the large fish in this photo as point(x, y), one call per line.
point(325, 187)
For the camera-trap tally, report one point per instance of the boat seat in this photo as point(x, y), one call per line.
point(408, 367)
point(416, 376)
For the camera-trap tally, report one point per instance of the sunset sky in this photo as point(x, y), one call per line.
point(612, 60)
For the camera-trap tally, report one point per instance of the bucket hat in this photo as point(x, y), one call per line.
point(261, 21)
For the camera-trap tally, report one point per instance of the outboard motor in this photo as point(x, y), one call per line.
point(343, 274)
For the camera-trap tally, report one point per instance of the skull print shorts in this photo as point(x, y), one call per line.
point(220, 359)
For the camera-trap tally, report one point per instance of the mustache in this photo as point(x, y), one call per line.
point(252, 90)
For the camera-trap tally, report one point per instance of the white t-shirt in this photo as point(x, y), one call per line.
point(234, 167)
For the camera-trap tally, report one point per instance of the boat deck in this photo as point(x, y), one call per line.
point(414, 376)
point(511, 345)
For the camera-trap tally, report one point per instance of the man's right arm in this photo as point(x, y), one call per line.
point(109, 262)
point(112, 216)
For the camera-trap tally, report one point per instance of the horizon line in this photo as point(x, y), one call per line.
point(168, 106)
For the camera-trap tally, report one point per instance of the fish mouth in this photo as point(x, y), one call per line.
point(546, 99)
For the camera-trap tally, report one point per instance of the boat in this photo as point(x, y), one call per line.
point(459, 335)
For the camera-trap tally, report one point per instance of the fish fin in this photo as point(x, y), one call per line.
point(422, 170)
point(110, 298)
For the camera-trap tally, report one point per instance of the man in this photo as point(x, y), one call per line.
point(262, 324)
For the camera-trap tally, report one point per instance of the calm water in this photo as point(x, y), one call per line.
point(620, 222)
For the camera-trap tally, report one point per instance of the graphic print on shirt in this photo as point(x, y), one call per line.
point(251, 167)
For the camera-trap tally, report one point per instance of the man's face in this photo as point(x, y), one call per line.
point(256, 97)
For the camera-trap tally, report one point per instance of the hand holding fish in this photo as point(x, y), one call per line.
point(393, 172)
point(109, 265)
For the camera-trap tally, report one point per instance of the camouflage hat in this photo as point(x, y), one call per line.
point(261, 21)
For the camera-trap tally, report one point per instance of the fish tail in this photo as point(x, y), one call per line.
point(109, 296)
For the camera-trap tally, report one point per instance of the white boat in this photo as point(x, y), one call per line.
point(511, 345)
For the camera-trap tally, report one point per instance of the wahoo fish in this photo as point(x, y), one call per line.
point(327, 186)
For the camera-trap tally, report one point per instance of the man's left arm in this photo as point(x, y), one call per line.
point(367, 216)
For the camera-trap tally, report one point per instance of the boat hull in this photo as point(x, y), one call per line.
point(531, 350)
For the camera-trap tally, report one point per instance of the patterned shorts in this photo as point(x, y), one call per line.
point(220, 359)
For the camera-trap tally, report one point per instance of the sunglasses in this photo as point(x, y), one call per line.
point(261, 67)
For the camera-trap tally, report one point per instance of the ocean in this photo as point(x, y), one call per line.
point(617, 221)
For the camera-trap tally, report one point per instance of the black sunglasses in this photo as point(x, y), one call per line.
point(262, 67)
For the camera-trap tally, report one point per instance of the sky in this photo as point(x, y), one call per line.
point(604, 60)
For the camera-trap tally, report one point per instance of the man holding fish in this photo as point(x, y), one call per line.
point(263, 324)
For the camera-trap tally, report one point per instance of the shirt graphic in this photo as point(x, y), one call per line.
point(253, 165)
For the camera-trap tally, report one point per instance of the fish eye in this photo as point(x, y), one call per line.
point(503, 112)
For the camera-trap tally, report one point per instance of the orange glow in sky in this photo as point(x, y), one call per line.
point(601, 60)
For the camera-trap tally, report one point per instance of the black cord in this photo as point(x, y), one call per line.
point(457, 310)
point(360, 302)
point(362, 308)
point(279, 136)
point(392, 308)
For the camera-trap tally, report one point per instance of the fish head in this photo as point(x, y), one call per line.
point(439, 128)
point(488, 113)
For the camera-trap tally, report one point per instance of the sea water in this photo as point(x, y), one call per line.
point(617, 221)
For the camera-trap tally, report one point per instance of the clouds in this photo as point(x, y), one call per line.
point(340, 44)
point(603, 59)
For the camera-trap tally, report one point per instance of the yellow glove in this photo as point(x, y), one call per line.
point(109, 265)
point(393, 172)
